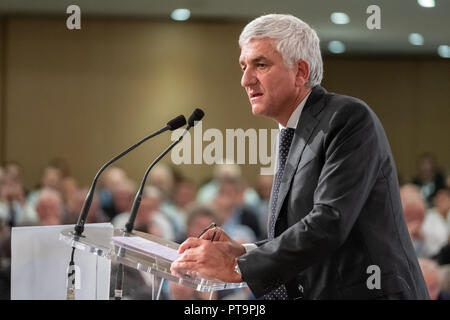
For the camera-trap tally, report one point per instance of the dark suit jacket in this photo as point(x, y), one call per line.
point(338, 212)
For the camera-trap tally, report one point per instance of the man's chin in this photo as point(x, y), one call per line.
point(258, 110)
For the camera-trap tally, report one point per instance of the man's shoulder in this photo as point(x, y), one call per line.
point(340, 109)
point(345, 103)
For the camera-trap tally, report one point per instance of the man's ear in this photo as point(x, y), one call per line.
point(302, 75)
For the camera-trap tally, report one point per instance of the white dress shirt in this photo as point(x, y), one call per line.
point(292, 123)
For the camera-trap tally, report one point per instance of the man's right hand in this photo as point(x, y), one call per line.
point(223, 242)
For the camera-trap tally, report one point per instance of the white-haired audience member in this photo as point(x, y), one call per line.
point(49, 207)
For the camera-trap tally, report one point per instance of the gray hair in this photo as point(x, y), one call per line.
point(294, 39)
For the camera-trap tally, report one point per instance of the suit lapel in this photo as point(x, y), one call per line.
point(305, 128)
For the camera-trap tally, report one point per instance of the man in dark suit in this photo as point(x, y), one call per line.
point(336, 228)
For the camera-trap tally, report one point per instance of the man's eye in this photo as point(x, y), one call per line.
point(261, 65)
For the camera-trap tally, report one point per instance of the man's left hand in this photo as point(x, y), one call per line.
point(206, 259)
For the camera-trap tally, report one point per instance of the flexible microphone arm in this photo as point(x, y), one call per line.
point(173, 124)
point(196, 116)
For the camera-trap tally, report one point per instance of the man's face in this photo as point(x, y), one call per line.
point(269, 83)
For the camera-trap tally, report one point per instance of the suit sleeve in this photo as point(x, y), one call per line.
point(351, 165)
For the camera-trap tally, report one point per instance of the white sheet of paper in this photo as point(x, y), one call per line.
point(148, 246)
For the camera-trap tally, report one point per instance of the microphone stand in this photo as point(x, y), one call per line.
point(173, 124)
point(196, 116)
point(118, 291)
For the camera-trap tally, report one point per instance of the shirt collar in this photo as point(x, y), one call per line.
point(295, 116)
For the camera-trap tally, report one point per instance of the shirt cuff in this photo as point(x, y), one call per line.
point(249, 246)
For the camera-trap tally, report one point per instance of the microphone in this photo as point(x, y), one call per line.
point(196, 116)
point(173, 124)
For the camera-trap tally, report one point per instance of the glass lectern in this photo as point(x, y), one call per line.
point(101, 243)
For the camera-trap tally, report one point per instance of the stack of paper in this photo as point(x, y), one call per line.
point(148, 247)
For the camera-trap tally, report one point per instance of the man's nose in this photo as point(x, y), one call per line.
point(248, 78)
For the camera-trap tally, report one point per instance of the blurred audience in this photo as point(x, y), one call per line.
point(111, 178)
point(429, 178)
point(14, 208)
point(198, 217)
point(227, 170)
point(435, 226)
point(174, 208)
point(149, 217)
point(433, 279)
point(51, 178)
point(240, 220)
point(163, 178)
point(49, 207)
point(75, 203)
point(414, 210)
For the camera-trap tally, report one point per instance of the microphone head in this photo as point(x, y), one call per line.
point(197, 115)
point(176, 122)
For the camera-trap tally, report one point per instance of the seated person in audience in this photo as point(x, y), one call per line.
point(123, 197)
point(433, 279)
point(49, 207)
point(235, 214)
point(149, 218)
point(198, 218)
point(428, 178)
point(227, 170)
point(112, 178)
point(162, 177)
point(14, 207)
point(435, 226)
point(69, 189)
point(13, 170)
point(75, 204)
point(414, 209)
point(184, 195)
point(51, 178)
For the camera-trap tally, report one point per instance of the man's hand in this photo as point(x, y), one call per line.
point(223, 242)
point(203, 257)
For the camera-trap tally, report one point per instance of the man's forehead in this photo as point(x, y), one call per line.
point(257, 49)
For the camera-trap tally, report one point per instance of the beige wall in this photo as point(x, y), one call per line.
point(411, 98)
point(87, 95)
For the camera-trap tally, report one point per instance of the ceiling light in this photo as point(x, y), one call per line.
point(444, 51)
point(180, 14)
point(336, 46)
point(415, 39)
point(426, 3)
point(340, 18)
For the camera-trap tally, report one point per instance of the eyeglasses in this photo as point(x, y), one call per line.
point(212, 225)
